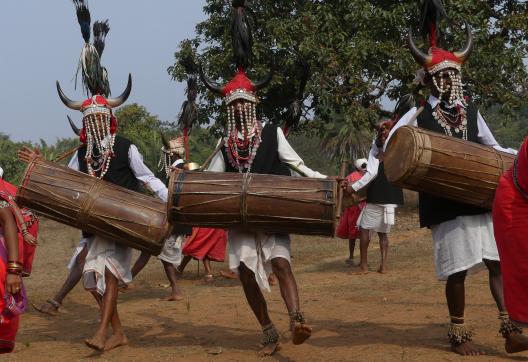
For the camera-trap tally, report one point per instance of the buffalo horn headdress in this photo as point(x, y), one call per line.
point(437, 59)
point(240, 87)
point(99, 124)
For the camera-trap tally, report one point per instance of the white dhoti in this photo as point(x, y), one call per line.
point(256, 250)
point(172, 251)
point(104, 254)
point(378, 218)
point(82, 243)
point(462, 243)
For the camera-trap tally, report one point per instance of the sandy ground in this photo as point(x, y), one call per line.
point(398, 316)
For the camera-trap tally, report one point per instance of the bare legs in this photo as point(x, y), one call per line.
point(140, 263)
point(364, 241)
point(351, 248)
point(289, 292)
point(170, 271)
point(384, 250)
point(109, 315)
point(71, 281)
point(515, 341)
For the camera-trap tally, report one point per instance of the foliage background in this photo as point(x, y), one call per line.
point(359, 64)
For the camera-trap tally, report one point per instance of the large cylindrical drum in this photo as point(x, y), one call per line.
point(96, 206)
point(269, 203)
point(448, 167)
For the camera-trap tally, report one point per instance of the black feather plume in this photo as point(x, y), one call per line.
point(189, 111)
point(241, 35)
point(100, 30)
point(83, 17)
point(403, 106)
point(433, 12)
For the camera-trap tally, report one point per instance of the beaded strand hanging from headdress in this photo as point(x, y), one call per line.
point(244, 130)
point(451, 115)
point(99, 124)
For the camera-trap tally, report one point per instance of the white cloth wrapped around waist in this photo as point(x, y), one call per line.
point(172, 249)
point(105, 254)
point(256, 250)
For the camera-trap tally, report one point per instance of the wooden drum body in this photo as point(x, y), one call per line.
point(76, 199)
point(269, 203)
point(448, 167)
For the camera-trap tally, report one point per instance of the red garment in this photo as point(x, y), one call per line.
point(510, 223)
point(206, 242)
point(347, 228)
point(27, 251)
point(8, 323)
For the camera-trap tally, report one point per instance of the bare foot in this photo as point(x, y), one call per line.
point(467, 349)
point(228, 274)
point(516, 342)
point(358, 270)
point(269, 349)
point(300, 332)
point(209, 278)
point(173, 298)
point(114, 341)
point(127, 288)
point(47, 308)
point(97, 342)
point(382, 270)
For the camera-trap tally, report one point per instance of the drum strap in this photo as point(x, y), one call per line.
point(87, 205)
point(516, 178)
point(243, 198)
point(178, 189)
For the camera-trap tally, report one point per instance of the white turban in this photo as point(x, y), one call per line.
point(361, 164)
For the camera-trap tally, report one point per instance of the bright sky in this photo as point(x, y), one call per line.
point(41, 43)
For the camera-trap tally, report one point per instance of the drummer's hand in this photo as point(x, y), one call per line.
point(13, 283)
point(344, 183)
point(27, 155)
point(30, 239)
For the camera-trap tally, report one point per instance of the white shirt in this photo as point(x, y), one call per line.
point(140, 170)
point(287, 155)
point(371, 171)
point(484, 137)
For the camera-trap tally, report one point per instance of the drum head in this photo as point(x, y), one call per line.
point(400, 154)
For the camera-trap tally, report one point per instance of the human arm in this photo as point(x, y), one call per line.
point(74, 162)
point(28, 238)
point(145, 175)
point(288, 156)
point(485, 137)
point(217, 163)
point(371, 172)
point(7, 221)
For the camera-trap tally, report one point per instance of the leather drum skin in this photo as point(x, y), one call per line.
point(430, 162)
point(95, 206)
point(269, 203)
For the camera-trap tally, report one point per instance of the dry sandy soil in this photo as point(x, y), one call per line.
point(398, 316)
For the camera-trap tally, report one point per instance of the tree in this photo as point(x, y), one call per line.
point(358, 56)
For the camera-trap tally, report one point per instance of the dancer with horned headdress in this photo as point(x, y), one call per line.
point(107, 156)
point(462, 234)
point(251, 147)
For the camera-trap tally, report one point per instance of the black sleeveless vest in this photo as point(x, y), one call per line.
point(266, 160)
point(435, 210)
point(119, 172)
point(381, 191)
